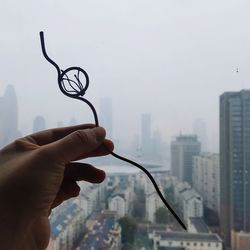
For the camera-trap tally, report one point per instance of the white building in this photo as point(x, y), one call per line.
point(118, 203)
point(185, 241)
point(152, 202)
point(192, 204)
point(206, 179)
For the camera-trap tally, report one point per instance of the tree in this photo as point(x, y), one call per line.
point(162, 215)
point(128, 226)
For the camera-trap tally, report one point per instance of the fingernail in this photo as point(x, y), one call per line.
point(99, 133)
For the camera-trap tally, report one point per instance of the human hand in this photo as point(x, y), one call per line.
point(36, 175)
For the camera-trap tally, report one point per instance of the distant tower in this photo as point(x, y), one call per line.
point(8, 117)
point(106, 115)
point(72, 122)
point(146, 142)
point(234, 163)
point(199, 129)
point(182, 151)
point(39, 124)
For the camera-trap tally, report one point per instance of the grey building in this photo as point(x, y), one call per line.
point(8, 117)
point(182, 151)
point(206, 179)
point(235, 162)
point(39, 124)
point(106, 115)
point(199, 129)
point(146, 140)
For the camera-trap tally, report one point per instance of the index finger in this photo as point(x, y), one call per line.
point(50, 135)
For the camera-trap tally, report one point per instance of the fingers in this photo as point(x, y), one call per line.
point(102, 150)
point(77, 171)
point(69, 189)
point(79, 143)
point(51, 135)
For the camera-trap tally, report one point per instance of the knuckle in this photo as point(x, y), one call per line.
point(81, 137)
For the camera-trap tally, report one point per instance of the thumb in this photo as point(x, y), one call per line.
point(74, 145)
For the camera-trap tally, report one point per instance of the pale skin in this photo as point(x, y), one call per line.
point(37, 173)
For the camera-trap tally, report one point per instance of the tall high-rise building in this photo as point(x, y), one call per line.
point(182, 151)
point(39, 124)
point(206, 179)
point(199, 129)
point(106, 115)
point(8, 117)
point(235, 162)
point(146, 141)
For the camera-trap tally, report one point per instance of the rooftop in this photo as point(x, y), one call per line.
point(200, 225)
point(182, 236)
point(95, 239)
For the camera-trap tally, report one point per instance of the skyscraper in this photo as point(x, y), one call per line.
point(8, 117)
point(146, 136)
point(182, 151)
point(199, 129)
point(39, 124)
point(106, 115)
point(235, 162)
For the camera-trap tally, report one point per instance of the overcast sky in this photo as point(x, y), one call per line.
point(170, 58)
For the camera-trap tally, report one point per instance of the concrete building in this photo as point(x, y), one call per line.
point(185, 241)
point(182, 151)
point(106, 115)
point(39, 124)
point(67, 223)
point(206, 179)
point(199, 129)
point(104, 234)
point(118, 203)
point(146, 140)
point(152, 203)
point(8, 117)
point(234, 163)
point(240, 240)
point(190, 203)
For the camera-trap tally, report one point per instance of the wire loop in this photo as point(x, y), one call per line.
point(74, 88)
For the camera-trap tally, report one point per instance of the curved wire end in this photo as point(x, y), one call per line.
point(45, 53)
point(77, 96)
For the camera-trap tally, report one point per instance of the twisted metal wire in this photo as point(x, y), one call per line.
point(77, 91)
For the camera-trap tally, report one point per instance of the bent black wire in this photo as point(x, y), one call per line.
point(75, 89)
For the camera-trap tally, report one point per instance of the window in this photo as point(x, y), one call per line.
point(159, 70)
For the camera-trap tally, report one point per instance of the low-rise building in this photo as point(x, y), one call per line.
point(152, 202)
point(185, 241)
point(105, 234)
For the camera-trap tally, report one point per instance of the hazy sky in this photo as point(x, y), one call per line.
point(171, 58)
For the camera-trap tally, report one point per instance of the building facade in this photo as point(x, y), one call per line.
point(182, 151)
point(206, 179)
point(235, 162)
point(185, 241)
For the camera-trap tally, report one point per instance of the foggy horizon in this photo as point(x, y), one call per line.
point(172, 59)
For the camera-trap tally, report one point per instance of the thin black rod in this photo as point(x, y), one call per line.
point(154, 184)
point(45, 54)
point(135, 164)
point(78, 95)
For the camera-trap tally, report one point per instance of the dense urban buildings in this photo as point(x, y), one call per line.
point(182, 151)
point(235, 162)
